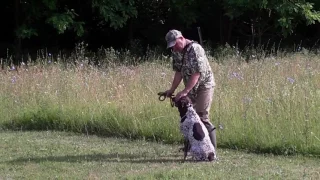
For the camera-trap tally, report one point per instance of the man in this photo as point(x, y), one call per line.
point(191, 65)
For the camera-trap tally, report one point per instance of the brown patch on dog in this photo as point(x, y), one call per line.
point(182, 104)
point(184, 101)
point(198, 133)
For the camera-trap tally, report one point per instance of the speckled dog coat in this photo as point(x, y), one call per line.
point(196, 135)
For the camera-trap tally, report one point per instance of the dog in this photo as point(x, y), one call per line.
point(196, 136)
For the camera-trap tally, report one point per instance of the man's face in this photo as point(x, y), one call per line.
point(178, 47)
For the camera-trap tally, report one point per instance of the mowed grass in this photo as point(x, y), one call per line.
point(266, 106)
point(65, 155)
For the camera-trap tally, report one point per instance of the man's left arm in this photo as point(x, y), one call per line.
point(192, 82)
point(195, 54)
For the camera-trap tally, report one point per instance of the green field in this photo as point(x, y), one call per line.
point(79, 121)
point(58, 155)
point(266, 106)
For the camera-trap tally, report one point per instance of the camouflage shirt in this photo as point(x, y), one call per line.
point(195, 60)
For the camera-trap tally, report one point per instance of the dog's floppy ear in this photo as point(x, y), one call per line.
point(185, 101)
point(173, 102)
point(176, 103)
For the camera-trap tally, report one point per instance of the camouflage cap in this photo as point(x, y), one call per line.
point(171, 37)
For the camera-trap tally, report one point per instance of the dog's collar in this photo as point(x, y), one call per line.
point(183, 117)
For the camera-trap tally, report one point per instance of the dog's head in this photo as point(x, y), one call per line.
point(182, 104)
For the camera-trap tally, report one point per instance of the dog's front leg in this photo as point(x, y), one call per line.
point(186, 148)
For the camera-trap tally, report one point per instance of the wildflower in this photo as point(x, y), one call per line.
point(12, 68)
point(163, 75)
point(247, 100)
point(269, 100)
point(291, 80)
point(49, 54)
point(220, 126)
point(236, 75)
point(277, 64)
point(238, 52)
point(299, 48)
point(13, 79)
point(308, 67)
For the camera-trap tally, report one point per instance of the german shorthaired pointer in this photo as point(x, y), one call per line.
point(196, 136)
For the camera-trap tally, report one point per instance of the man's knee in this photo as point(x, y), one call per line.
point(204, 116)
point(209, 126)
point(205, 119)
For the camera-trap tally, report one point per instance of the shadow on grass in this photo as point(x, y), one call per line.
point(113, 157)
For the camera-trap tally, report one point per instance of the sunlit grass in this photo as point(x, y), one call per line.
point(57, 155)
point(271, 105)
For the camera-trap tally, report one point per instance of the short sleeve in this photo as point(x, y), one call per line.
point(196, 55)
point(176, 61)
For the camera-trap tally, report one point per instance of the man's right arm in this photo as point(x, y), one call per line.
point(176, 66)
point(175, 83)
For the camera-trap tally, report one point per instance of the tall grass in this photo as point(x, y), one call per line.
point(270, 105)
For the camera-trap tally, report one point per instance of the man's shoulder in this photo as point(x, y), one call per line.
point(196, 47)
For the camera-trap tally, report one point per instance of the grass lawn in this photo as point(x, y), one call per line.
point(60, 155)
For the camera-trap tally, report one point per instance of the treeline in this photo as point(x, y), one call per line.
point(29, 25)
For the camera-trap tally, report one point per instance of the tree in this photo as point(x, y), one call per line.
point(258, 16)
point(32, 15)
point(115, 12)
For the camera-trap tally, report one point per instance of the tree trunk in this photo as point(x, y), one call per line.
point(17, 41)
point(130, 30)
point(222, 41)
point(230, 23)
point(253, 32)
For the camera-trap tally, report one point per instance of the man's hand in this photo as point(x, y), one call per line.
point(169, 92)
point(192, 82)
point(181, 94)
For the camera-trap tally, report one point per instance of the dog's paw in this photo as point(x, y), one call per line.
point(181, 149)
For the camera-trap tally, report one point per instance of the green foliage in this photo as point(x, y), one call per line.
point(25, 32)
point(285, 14)
point(51, 12)
point(185, 10)
point(148, 20)
point(62, 21)
point(50, 4)
point(63, 17)
point(292, 13)
point(115, 12)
